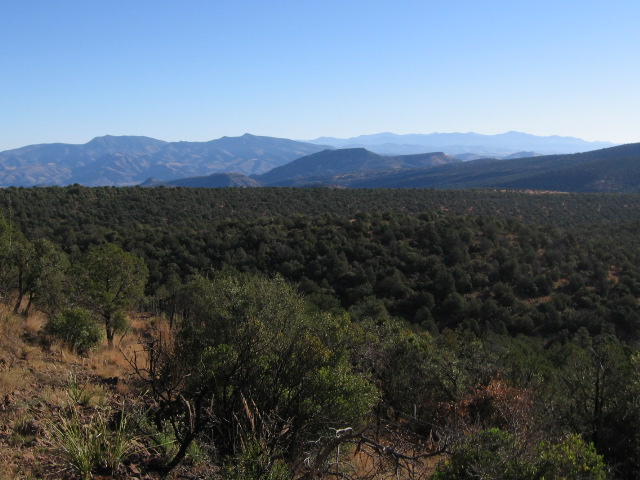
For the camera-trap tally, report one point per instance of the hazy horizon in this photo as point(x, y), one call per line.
point(199, 71)
point(309, 140)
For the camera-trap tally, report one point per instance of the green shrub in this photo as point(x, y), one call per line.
point(76, 328)
point(488, 455)
point(571, 459)
point(495, 454)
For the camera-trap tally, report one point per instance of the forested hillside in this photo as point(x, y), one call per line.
point(314, 333)
point(55, 210)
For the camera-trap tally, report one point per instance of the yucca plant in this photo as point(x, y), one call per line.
point(79, 444)
point(79, 394)
point(120, 443)
point(85, 446)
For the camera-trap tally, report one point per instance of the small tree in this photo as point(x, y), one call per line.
point(488, 455)
point(41, 270)
point(109, 282)
point(22, 255)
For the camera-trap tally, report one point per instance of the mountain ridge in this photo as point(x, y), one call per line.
point(329, 163)
point(129, 160)
point(614, 169)
point(609, 170)
point(456, 143)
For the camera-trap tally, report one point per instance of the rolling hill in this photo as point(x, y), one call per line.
point(610, 170)
point(327, 166)
point(215, 180)
point(615, 169)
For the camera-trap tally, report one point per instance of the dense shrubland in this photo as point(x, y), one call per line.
point(354, 335)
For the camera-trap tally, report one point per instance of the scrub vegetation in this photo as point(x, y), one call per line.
point(299, 334)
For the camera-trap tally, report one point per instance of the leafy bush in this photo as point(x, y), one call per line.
point(255, 363)
point(571, 459)
point(487, 455)
point(492, 454)
point(76, 328)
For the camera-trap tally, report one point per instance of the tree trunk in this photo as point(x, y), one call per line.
point(16, 309)
point(108, 326)
point(29, 303)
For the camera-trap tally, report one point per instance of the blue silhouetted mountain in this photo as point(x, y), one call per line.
point(127, 160)
point(322, 167)
point(615, 169)
point(500, 145)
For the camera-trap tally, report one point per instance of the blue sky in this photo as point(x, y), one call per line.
point(198, 70)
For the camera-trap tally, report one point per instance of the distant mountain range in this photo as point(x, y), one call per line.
point(500, 145)
point(129, 160)
point(614, 169)
point(250, 161)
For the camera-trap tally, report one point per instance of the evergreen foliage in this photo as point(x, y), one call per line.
point(76, 328)
point(388, 322)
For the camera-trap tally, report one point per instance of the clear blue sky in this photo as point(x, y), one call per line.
point(198, 70)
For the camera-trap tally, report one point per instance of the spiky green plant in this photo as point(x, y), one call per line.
point(79, 444)
point(85, 445)
point(120, 443)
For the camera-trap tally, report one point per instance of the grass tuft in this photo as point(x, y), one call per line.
point(78, 444)
point(87, 444)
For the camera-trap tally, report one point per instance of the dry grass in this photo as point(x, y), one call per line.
point(14, 379)
point(11, 328)
point(115, 363)
point(365, 464)
point(50, 395)
point(562, 282)
point(34, 323)
point(6, 313)
point(35, 381)
point(30, 353)
point(35, 378)
point(107, 363)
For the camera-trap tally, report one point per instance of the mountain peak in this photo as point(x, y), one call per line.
point(123, 141)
